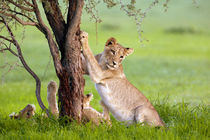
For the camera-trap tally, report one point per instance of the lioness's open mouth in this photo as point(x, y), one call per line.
point(111, 67)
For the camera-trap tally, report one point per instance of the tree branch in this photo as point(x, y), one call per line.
point(74, 18)
point(7, 39)
point(28, 3)
point(56, 20)
point(20, 6)
point(8, 49)
point(18, 19)
point(53, 47)
point(24, 15)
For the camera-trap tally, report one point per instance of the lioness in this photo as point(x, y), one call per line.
point(118, 95)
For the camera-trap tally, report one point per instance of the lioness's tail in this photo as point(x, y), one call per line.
point(51, 97)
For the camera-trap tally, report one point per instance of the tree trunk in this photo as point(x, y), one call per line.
point(67, 35)
point(72, 82)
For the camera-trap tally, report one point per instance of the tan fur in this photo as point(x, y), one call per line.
point(27, 112)
point(118, 95)
point(89, 113)
point(51, 97)
point(86, 100)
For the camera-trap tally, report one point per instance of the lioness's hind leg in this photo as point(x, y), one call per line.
point(148, 115)
point(105, 111)
point(139, 115)
point(106, 115)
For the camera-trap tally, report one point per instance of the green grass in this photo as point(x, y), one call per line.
point(183, 122)
point(172, 70)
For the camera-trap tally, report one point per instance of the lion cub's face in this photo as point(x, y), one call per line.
point(114, 53)
point(87, 99)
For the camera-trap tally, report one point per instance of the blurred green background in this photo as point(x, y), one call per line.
point(174, 64)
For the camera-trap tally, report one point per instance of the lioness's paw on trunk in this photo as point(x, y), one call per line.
point(83, 38)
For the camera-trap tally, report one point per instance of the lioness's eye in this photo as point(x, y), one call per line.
point(121, 56)
point(112, 51)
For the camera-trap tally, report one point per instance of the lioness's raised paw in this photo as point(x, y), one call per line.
point(83, 34)
point(84, 38)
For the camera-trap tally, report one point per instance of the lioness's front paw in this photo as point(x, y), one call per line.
point(84, 37)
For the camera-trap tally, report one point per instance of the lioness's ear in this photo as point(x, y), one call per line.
point(128, 51)
point(111, 41)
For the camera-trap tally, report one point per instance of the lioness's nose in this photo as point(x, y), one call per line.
point(114, 63)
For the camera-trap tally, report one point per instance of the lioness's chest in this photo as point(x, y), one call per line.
point(113, 102)
point(104, 92)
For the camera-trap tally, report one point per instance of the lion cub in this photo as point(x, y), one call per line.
point(89, 113)
point(118, 95)
point(27, 112)
point(51, 98)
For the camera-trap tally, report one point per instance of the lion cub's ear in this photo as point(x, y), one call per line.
point(111, 41)
point(88, 98)
point(128, 51)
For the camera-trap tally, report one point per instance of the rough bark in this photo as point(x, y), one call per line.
point(56, 21)
point(72, 82)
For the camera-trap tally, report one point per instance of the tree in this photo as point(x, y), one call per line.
point(65, 49)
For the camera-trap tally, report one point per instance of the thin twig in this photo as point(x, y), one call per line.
point(9, 49)
point(28, 3)
point(46, 69)
point(3, 37)
point(18, 19)
point(21, 7)
point(24, 15)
